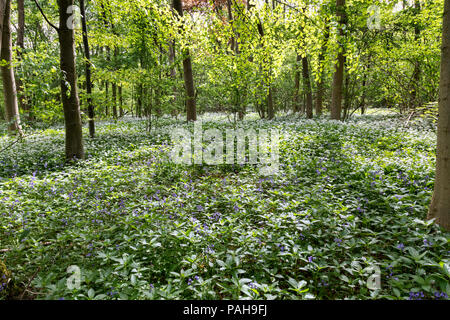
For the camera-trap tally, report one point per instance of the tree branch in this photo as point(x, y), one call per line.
point(45, 17)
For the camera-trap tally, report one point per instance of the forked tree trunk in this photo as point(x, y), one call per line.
point(440, 204)
point(69, 90)
point(338, 78)
point(9, 82)
point(191, 110)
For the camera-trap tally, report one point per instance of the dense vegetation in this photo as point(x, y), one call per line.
point(357, 89)
point(141, 227)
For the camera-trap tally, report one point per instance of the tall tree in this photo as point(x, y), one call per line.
point(87, 55)
point(9, 82)
point(68, 79)
point(23, 105)
point(191, 110)
point(440, 204)
point(338, 78)
point(69, 89)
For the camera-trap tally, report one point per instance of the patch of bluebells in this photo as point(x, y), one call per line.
point(210, 249)
point(252, 285)
point(391, 274)
point(440, 296)
point(190, 281)
point(416, 295)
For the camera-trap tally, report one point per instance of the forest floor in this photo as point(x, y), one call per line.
point(348, 206)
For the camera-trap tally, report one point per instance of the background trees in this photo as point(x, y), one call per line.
point(138, 55)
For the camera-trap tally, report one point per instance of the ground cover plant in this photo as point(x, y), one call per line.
point(350, 202)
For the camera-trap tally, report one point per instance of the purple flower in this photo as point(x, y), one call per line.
point(253, 285)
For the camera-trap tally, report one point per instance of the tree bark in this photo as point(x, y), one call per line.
point(87, 55)
point(120, 102)
point(336, 97)
point(23, 105)
point(2, 16)
point(297, 85)
point(69, 90)
point(114, 100)
point(440, 204)
point(416, 72)
point(307, 87)
point(9, 83)
point(320, 89)
point(191, 110)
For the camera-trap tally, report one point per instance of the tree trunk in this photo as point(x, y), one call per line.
point(336, 97)
point(319, 96)
point(114, 100)
point(2, 18)
point(191, 111)
point(120, 102)
point(270, 109)
point(23, 105)
point(297, 85)
point(440, 204)
point(69, 90)
point(307, 88)
point(87, 55)
point(416, 72)
point(9, 84)
point(106, 98)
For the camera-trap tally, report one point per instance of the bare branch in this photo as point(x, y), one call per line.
point(45, 17)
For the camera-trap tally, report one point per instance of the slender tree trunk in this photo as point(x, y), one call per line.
point(416, 72)
point(270, 109)
point(139, 100)
point(120, 102)
point(319, 96)
point(107, 98)
point(440, 204)
point(114, 100)
point(336, 97)
point(363, 98)
point(69, 90)
point(9, 84)
point(297, 85)
point(191, 110)
point(23, 105)
point(87, 55)
point(307, 88)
